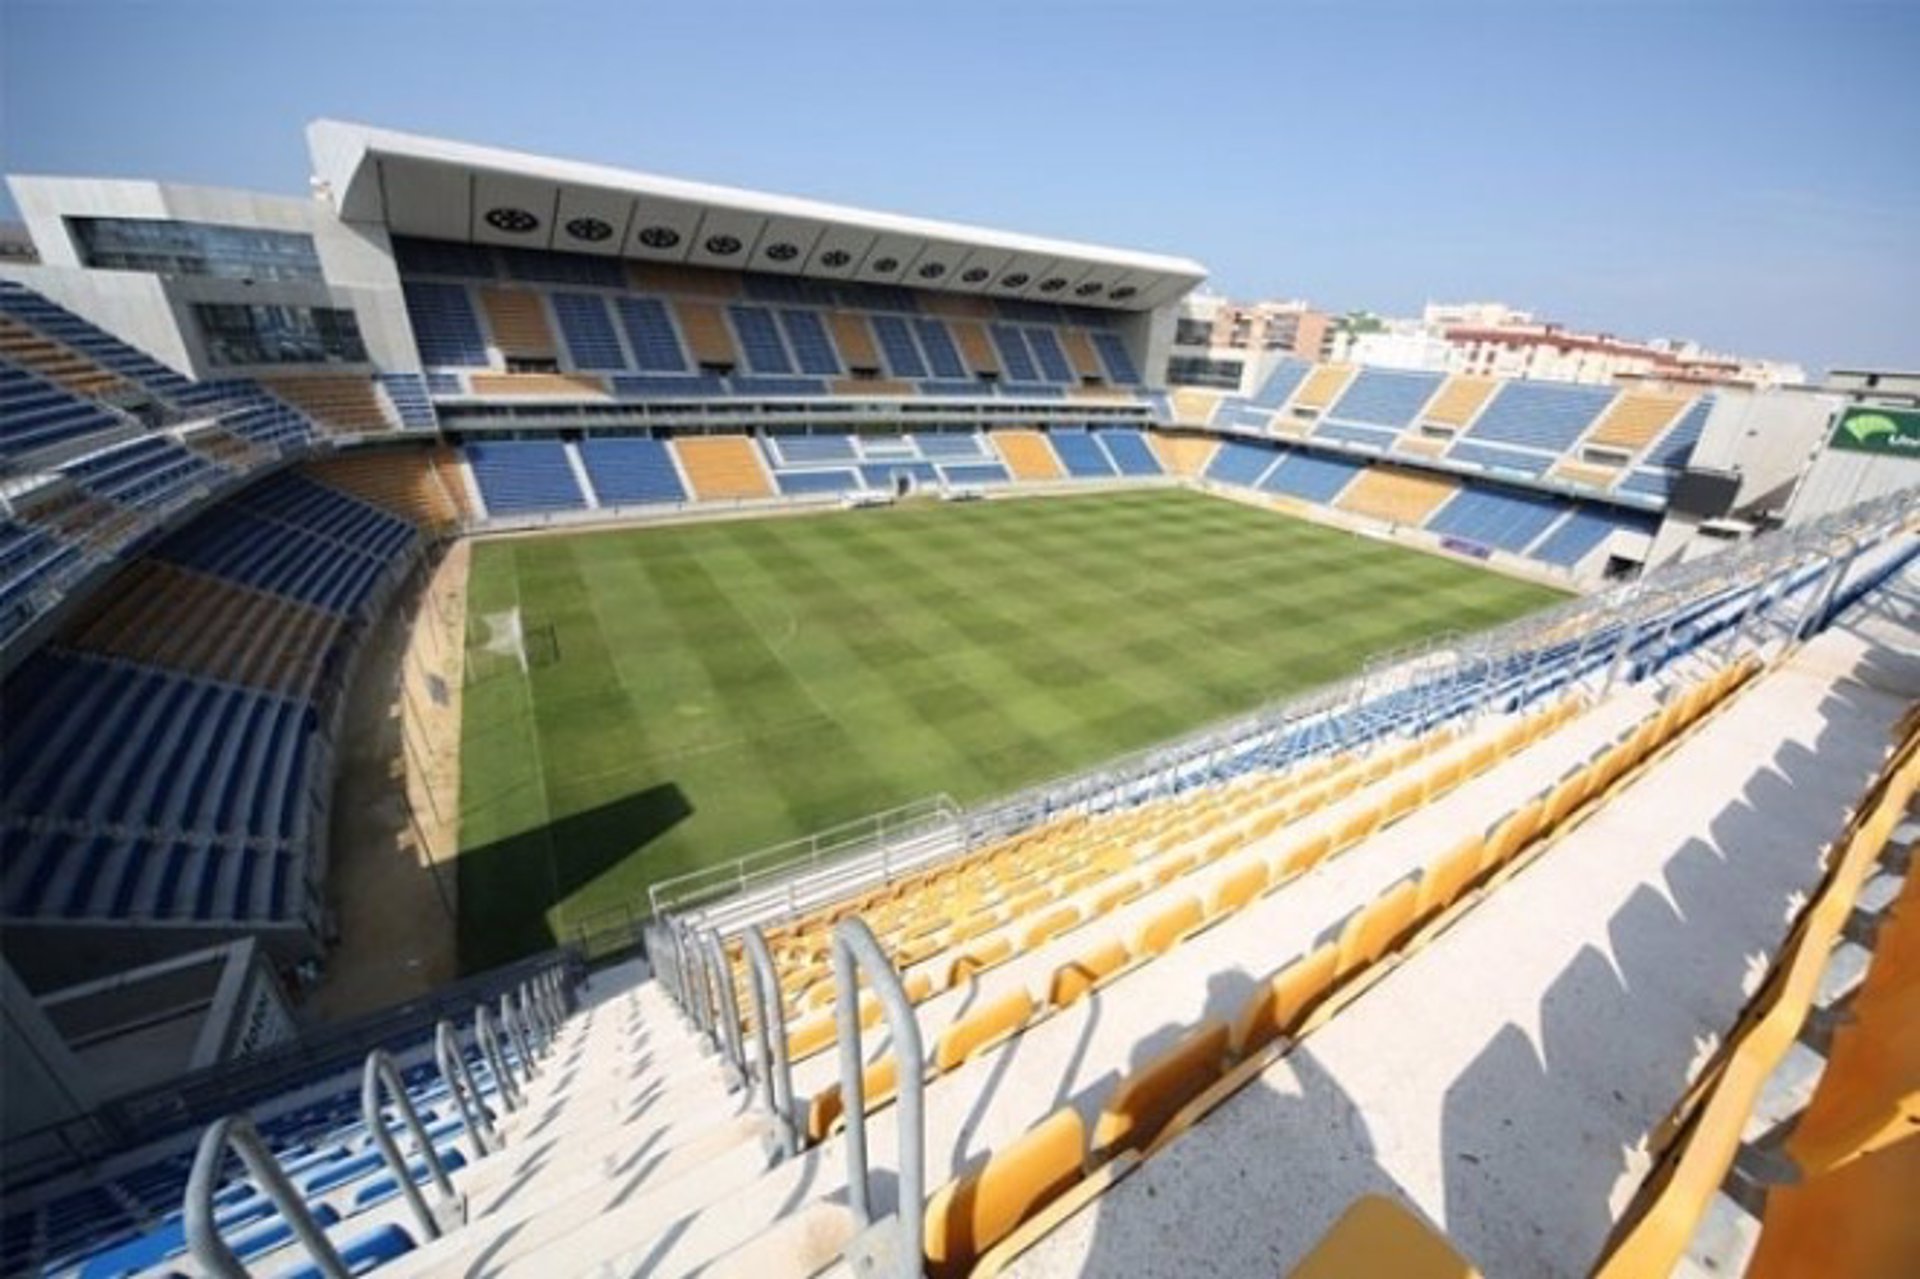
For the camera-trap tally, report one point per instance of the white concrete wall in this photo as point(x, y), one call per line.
point(154, 312)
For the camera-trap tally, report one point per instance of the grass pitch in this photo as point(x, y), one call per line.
point(717, 688)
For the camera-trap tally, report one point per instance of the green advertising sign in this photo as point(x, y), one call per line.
point(1870, 429)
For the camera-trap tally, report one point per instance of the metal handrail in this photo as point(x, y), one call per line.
point(458, 1077)
point(734, 1053)
point(380, 1073)
point(517, 1032)
point(209, 1250)
point(770, 1041)
point(856, 951)
point(489, 1041)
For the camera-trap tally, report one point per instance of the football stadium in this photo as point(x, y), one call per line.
point(563, 720)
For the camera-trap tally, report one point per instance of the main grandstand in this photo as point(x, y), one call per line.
point(1274, 911)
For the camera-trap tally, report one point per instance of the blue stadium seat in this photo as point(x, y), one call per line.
point(443, 257)
point(1015, 358)
point(35, 413)
point(747, 384)
point(1384, 397)
point(1505, 519)
point(446, 328)
point(975, 473)
point(1113, 353)
point(1346, 432)
point(1588, 526)
point(153, 472)
point(943, 357)
point(1648, 483)
point(812, 448)
point(1676, 446)
point(1282, 381)
point(631, 470)
point(660, 386)
point(812, 348)
point(1312, 477)
point(1541, 415)
point(587, 328)
point(35, 311)
point(651, 335)
point(834, 480)
point(411, 400)
point(544, 266)
point(1499, 459)
point(1052, 360)
point(1130, 452)
point(897, 345)
point(880, 475)
point(940, 446)
point(760, 342)
point(1081, 454)
point(521, 477)
point(1238, 462)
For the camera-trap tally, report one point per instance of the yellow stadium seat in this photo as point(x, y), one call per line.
point(1118, 895)
point(978, 960)
point(1374, 930)
point(1237, 889)
point(917, 987)
point(1084, 973)
point(980, 1031)
point(1377, 1236)
point(1301, 858)
point(1165, 930)
point(1402, 802)
point(1448, 877)
point(1148, 1097)
point(878, 1083)
point(1049, 926)
point(1279, 1007)
point(1356, 828)
point(1172, 869)
point(810, 1035)
point(966, 1217)
point(1513, 834)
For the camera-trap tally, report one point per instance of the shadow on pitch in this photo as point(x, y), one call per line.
point(507, 887)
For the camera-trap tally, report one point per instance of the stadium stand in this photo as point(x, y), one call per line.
point(631, 471)
point(517, 324)
point(341, 404)
point(1027, 454)
point(1311, 477)
point(524, 476)
point(1397, 495)
point(1081, 454)
point(1460, 400)
point(1632, 421)
point(1131, 452)
point(1187, 455)
point(1508, 519)
point(411, 483)
point(722, 467)
point(1322, 387)
point(1541, 415)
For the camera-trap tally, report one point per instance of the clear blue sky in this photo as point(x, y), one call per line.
point(1747, 174)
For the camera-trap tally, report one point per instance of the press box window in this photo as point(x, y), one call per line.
point(257, 334)
point(167, 247)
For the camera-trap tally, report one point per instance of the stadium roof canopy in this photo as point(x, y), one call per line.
point(455, 191)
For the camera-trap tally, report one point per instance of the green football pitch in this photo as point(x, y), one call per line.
point(699, 692)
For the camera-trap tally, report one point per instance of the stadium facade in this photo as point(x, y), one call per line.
point(238, 424)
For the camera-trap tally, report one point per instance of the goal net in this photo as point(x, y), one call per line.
point(496, 644)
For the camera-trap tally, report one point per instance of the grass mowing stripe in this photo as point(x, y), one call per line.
point(720, 687)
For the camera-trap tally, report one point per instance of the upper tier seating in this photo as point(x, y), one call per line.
point(1015, 358)
point(1027, 455)
point(1282, 381)
point(89, 340)
point(524, 476)
point(160, 615)
point(1541, 415)
point(1120, 367)
point(517, 319)
point(1677, 445)
point(631, 471)
point(1081, 454)
point(1460, 400)
point(28, 349)
point(897, 343)
point(854, 338)
point(760, 341)
point(408, 394)
point(299, 539)
point(1131, 453)
point(586, 325)
point(411, 483)
point(36, 413)
point(705, 328)
point(1322, 386)
point(1634, 419)
point(152, 472)
point(722, 466)
point(812, 348)
point(1397, 495)
point(651, 334)
point(1506, 519)
point(1385, 397)
point(31, 561)
point(446, 328)
point(345, 404)
point(1311, 477)
point(1495, 458)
